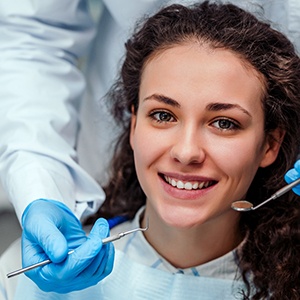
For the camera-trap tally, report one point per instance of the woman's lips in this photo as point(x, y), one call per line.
point(186, 187)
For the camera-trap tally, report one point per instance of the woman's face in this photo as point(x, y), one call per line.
point(198, 135)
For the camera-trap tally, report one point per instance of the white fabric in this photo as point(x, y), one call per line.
point(136, 275)
point(130, 280)
point(44, 101)
point(138, 249)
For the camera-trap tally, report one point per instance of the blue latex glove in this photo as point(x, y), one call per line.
point(292, 175)
point(50, 230)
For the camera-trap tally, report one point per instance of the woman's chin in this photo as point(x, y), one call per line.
point(182, 219)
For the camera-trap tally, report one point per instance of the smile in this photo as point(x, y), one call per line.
point(188, 185)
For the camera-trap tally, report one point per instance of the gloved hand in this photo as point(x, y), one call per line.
point(50, 230)
point(292, 175)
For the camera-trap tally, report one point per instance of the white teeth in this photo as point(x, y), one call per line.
point(187, 185)
point(195, 185)
point(180, 184)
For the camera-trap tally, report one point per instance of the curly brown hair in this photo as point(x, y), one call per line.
point(270, 257)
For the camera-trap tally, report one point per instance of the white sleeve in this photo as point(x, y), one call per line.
point(39, 98)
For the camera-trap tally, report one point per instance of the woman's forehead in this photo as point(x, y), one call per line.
point(189, 68)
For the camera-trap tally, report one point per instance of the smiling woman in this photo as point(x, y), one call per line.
point(208, 104)
point(214, 100)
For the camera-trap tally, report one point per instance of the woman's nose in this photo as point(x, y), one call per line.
point(187, 148)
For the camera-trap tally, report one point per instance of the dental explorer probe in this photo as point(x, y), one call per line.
point(104, 241)
point(244, 205)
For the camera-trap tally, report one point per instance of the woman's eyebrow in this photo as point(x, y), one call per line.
point(226, 106)
point(216, 106)
point(163, 99)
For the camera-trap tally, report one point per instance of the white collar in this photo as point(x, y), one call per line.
point(139, 250)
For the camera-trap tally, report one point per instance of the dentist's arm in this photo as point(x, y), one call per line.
point(41, 89)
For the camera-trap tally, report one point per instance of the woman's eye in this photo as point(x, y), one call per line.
point(162, 116)
point(225, 124)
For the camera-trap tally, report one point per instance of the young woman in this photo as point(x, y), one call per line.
point(208, 103)
point(214, 100)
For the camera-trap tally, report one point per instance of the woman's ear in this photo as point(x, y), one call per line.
point(132, 126)
point(272, 146)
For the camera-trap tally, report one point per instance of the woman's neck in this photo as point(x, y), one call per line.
point(188, 247)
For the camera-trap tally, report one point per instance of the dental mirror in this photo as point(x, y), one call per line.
point(244, 205)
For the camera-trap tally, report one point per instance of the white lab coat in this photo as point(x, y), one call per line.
point(49, 108)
